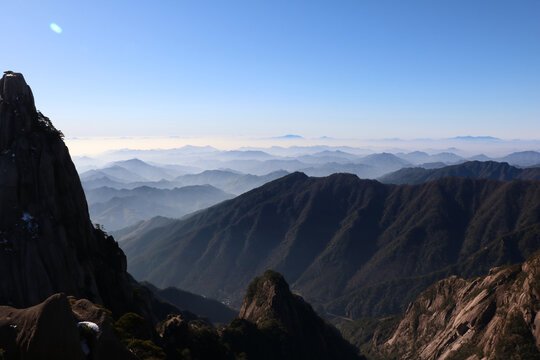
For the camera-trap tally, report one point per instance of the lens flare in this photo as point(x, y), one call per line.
point(57, 29)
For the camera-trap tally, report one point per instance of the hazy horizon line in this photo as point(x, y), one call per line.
point(472, 145)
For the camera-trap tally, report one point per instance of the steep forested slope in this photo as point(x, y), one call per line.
point(357, 246)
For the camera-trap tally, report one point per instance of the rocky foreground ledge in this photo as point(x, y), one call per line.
point(58, 329)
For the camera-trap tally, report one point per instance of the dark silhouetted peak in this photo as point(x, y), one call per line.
point(18, 115)
point(17, 110)
point(14, 89)
point(271, 306)
point(47, 241)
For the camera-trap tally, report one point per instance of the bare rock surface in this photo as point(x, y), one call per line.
point(492, 317)
point(44, 331)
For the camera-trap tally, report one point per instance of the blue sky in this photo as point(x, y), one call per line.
point(343, 68)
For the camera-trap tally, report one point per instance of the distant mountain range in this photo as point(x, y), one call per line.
point(288, 137)
point(522, 158)
point(317, 161)
point(120, 194)
point(116, 209)
point(150, 172)
point(476, 138)
point(114, 173)
point(230, 181)
point(135, 170)
point(356, 247)
point(420, 157)
point(470, 169)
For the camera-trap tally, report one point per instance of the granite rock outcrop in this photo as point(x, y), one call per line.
point(47, 241)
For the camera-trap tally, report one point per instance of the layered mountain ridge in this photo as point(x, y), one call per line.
point(358, 247)
point(471, 169)
point(116, 209)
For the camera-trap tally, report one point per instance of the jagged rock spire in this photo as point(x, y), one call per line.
point(47, 241)
point(14, 89)
point(18, 113)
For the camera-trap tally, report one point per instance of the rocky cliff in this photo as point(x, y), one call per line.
point(492, 317)
point(47, 241)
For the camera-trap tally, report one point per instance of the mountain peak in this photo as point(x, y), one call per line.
point(48, 243)
point(267, 294)
point(270, 305)
point(13, 88)
point(17, 110)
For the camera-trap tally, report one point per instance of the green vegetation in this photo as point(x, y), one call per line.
point(192, 339)
point(136, 333)
point(248, 341)
point(363, 331)
point(517, 342)
point(133, 326)
point(255, 287)
point(145, 349)
point(46, 125)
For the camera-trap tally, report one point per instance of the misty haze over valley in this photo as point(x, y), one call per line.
point(126, 186)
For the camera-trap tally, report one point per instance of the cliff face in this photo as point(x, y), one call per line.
point(491, 317)
point(47, 241)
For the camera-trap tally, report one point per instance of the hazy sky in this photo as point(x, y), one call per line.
point(340, 68)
